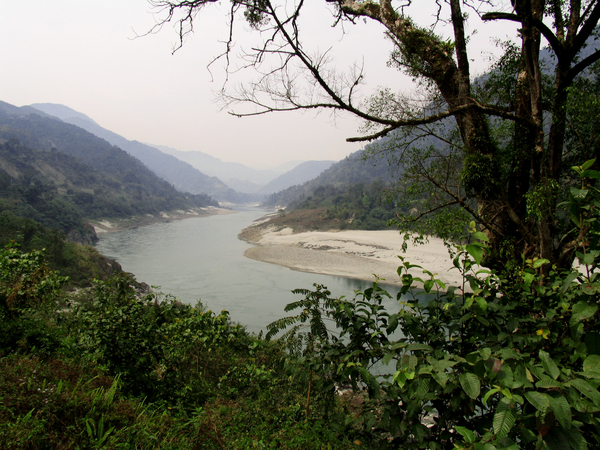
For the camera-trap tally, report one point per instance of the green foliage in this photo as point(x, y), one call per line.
point(26, 282)
point(506, 360)
point(81, 264)
point(161, 347)
point(141, 370)
point(356, 207)
point(29, 291)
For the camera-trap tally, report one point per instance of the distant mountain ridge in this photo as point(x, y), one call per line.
point(197, 172)
point(236, 175)
point(350, 171)
point(182, 175)
point(300, 174)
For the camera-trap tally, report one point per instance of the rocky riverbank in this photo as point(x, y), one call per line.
point(112, 225)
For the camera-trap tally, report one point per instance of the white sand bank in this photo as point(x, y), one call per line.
point(354, 254)
point(105, 226)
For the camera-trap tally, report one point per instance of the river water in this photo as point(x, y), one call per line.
point(202, 259)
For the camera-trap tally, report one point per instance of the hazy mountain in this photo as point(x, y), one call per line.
point(343, 174)
point(298, 175)
point(236, 175)
point(57, 174)
point(180, 174)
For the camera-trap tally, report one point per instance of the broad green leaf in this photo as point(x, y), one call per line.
point(575, 438)
point(489, 393)
point(592, 362)
point(417, 347)
point(538, 400)
point(586, 258)
point(482, 303)
point(507, 444)
point(476, 252)
point(561, 409)
point(540, 262)
point(470, 384)
point(548, 383)
point(581, 311)
point(586, 389)
point(441, 378)
point(587, 164)
point(591, 174)
point(579, 194)
point(505, 377)
point(482, 320)
point(528, 278)
point(387, 358)
point(592, 374)
point(488, 446)
point(568, 281)
point(428, 285)
point(590, 288)
point(440, 365)
point(400, 378)
point(521, 377)
point(408, 363)
point(485, 353)
point(480, 236)
point(422, 386)
point(393, 323)
point(504, 418)
point(398, 345)
point(549, 365)
point(466, 433)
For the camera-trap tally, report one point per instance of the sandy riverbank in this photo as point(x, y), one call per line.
point(353, 254)
point(109, 226)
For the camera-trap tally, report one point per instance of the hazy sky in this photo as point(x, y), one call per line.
point(85, 54)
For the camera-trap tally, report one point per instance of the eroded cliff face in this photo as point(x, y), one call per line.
point(88, 237)
point(108, 266)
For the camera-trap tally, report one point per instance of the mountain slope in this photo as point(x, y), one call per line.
point(343, 174)
point(58, 174)
point(180, 174)
point(236, 175)
point(298, 175)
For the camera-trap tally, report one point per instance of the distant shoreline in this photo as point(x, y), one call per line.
point(354, 254)
point(114, 225)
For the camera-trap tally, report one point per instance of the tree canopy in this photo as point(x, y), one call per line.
point(497, 149)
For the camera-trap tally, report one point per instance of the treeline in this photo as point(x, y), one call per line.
point(343, 174)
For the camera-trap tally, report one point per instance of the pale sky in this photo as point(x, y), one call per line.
point(84, 54)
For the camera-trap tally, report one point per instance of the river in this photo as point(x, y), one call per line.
point(202, 259)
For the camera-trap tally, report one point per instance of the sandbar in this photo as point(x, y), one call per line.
point(355, 254)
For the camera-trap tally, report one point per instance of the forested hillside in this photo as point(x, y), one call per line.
point(180, 174)
point(60, 175)
point(355, 193)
